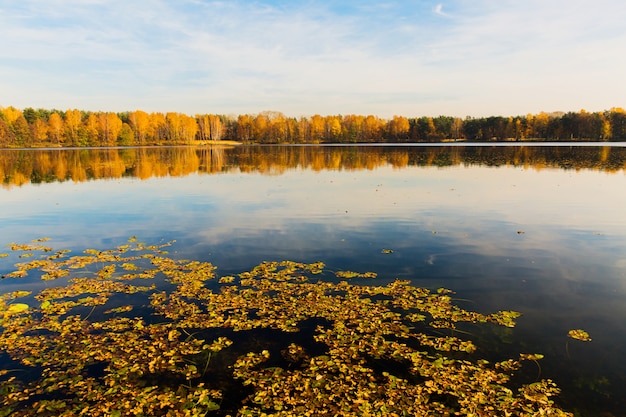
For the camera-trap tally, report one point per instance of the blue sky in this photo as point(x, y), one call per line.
point(411, 58)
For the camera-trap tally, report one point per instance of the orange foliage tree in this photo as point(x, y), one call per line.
point(73, 127)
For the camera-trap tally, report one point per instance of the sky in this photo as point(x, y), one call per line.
point(412, 58)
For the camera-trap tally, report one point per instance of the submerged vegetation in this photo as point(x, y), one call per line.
point(283, 339)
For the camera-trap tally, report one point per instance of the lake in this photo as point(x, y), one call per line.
point(536, 229)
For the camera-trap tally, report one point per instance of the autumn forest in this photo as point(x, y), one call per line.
point(40, 127)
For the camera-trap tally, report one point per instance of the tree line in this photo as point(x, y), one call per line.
point(41, 127)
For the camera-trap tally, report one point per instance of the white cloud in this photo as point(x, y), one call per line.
point(438, 10)
point(236, 57)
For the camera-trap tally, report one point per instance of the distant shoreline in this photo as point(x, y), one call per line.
point(231, 143)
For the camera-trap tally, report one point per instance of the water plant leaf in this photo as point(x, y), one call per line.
point(579, 334)
point(226, 280)
point(117, 310)
point(16, 294)
point(17, 308)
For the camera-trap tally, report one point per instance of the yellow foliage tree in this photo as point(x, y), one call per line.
point(332, 125)
point(173, 123)
point(40, 130)
point(316, 128)
point(55, 128)
point(372, 127)
point(91, 129)
point(245, 127)
point(188, 128)
point(216, 128)
point(259, 128)
point(158, 126)
point(140, 123)
point(73, 122)
point(204, 128)
point(11, 114)
point(109, 128)
point(399, 127)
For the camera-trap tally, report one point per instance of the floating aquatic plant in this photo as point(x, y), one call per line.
point(579, 334)
point(179, 349)
point(352, 274)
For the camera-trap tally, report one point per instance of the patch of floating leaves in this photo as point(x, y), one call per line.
point(382, 354)
point(352, 274)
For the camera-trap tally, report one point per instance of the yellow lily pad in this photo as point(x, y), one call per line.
point(579, 334)
point(17, 308)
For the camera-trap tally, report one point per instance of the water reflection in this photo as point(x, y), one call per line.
point(535, 229)
point(18, 167)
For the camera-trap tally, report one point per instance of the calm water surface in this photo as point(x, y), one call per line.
point(540, 230)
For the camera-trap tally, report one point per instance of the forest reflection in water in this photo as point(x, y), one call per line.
point(18, 167)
